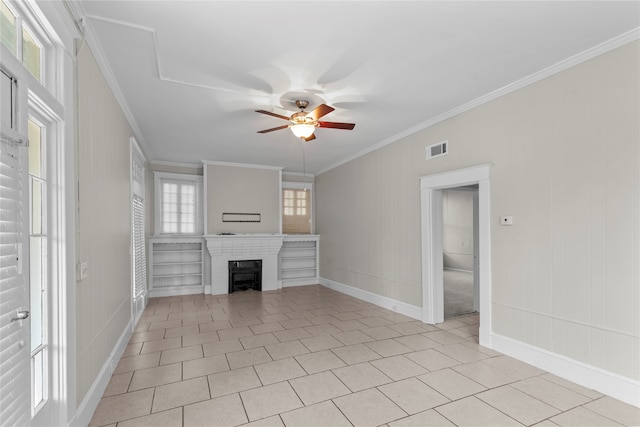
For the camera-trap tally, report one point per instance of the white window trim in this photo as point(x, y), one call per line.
point(158, 177)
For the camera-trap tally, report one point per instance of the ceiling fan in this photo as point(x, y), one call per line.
point(303, 124)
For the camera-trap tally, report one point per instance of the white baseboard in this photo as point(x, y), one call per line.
point(90, 402)
point(384, 302)
point(139, 305)
point(287, 283)
point(174, 291)
point(603, 381)
point(622, 388)
point(461, 270)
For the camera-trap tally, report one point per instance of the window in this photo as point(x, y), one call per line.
point(178, 203)
point(296, 208)
point(296, 202)
point(8, 24)
point(22, 42)
point(31, 53)
point(178, 207)
point(38, 283)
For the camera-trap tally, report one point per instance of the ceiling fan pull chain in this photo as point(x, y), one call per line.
point(304, 165)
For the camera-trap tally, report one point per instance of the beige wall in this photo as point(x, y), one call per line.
point(297, 177)
point(457, 229)
point(565, 155)
point(239, 189)
point(103, 223)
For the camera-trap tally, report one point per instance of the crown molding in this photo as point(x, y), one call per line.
point(572, 61)
point(241, 165)
point(300, 174)
point(176, 164)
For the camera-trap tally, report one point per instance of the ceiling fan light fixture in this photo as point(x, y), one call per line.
point(303, 130)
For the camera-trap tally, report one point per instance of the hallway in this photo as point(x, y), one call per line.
point(310, 356)
point(458, 293)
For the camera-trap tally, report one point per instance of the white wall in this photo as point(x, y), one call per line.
point(565, 155)
point(103, 223)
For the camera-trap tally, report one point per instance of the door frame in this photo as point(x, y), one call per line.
point(431, 187)
point(49, 100)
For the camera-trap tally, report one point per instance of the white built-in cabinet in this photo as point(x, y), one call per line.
point(176, 266)
point(299, 260)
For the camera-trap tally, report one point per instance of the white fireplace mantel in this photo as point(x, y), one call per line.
point(237, 247)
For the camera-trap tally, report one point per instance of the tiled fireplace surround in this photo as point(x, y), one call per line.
point(238, 247)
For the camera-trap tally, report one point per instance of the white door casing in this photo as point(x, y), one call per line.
point(431, 187)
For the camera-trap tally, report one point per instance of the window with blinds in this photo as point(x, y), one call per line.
point(138, 229)
point(139, 255)
point(14, 352)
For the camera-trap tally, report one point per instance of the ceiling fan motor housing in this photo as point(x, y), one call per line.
point(302, 123)
point(302, 103)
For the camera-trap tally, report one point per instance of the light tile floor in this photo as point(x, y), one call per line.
point(310, 356)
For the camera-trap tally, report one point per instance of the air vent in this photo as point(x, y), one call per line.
point(437, 150)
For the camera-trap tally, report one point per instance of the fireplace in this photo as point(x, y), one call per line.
point(226, 248)
point(245, 275)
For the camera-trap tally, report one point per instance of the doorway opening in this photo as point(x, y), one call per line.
point(459, 250)
point(431, 196)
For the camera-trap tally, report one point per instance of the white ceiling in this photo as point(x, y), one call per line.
point(191, 73)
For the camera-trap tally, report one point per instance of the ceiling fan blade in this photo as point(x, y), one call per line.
point(310, 138)
point(272, 129)
point(336, 125)
point(320, 111)
point(269, 113)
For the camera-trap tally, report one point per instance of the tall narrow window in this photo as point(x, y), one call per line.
point(296, 204)
point(38, 285)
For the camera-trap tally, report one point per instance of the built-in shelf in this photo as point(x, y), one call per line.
point(298, 260)
point(176, 265)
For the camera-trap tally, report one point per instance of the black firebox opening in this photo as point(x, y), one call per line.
point(244, 275)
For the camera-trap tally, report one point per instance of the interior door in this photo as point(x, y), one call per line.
point(15, 391)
